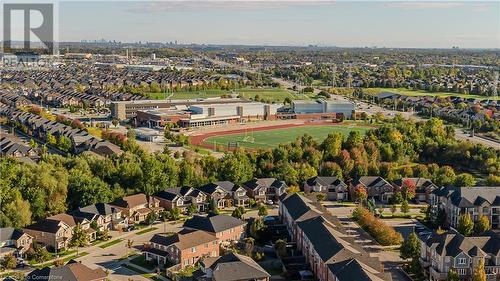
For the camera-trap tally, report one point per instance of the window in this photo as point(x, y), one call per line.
point(461, 271)
point(206, 245)
point(186, 262)
point(193, 250)
point(461, 261)
point(485, 210)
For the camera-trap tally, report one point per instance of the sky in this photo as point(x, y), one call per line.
point(406, 24)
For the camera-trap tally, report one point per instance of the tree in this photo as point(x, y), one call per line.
point(256, 228)
point(405, 207)
point(452, 275)
point(79, 237)
point(465, 179)
point(8, 262)
point(465, 224)
point(174, 214)
point(394, 208)
point(115, 122)
point(320, 197)
point(482, 225)
point(280, 247)
point(192, 209)
point(151, 218)
point(251, 202)
point(249, 244)
point(408, 189)
point(50, 139)
point(479, 273)
point(262, 210)
point(33, 143)
point(410, 249)
point(64, 143)
point(129, 245)
point(238, 212)
point(212, 205)
point(359, 193)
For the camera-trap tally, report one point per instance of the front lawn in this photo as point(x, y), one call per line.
point(110, 243)
point(142, 262)
point(146, 230)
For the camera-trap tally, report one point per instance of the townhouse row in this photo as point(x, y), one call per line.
point(331, 253)
point(376, 187)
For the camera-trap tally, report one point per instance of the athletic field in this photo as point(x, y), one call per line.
point(271, 138)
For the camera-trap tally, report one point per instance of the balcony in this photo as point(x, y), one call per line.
point(437, 275)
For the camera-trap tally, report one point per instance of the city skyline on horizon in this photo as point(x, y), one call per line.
point(429, 25)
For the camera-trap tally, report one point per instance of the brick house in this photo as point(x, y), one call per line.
point(423, 187)
point(264, 189)
point(182, 198)
point(332, 187)
point(376, 187)
point(51, 233)
point(225, 228)
point(137, 207)
point(184, 248)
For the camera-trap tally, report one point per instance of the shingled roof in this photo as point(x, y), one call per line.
point(213, 223)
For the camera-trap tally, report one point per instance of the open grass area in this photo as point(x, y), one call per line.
point(146, 230)
point(271, 94)
point(110, 243)
point(272, 138)
point(412, 93)
point(142, 262)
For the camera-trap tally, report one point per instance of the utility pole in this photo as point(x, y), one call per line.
point(334, 73)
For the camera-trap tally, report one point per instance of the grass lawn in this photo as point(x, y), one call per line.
point(406, 92)
point(272, 94)
point(146, 230)
point(142, 262)
point(272, 138)
point(110, 243)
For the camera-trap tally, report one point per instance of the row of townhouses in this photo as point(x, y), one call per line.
point(333, 255)
point(377, 187)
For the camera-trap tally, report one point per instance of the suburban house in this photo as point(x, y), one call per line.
point(477, 201)
point(73, 271)
point(451, 250)
point(183, 248)
point(231, 267)
point(73, 221)
point(14, 148)
point(236, 195)
point(329, 250)
point(265, 189)
point(225, 228)
point(137, 207)
point(423, 187)
point(376, 187)
point(217, 194)
point(14, 241)
point(334, 188)
point(182, 198)
point(106, 216)
point(54, 234)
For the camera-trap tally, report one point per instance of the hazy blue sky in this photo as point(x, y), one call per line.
point(342, 23)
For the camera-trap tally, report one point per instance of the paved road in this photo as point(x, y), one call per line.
point(459, 134)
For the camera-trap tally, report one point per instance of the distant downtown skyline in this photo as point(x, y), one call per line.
point(470, 24)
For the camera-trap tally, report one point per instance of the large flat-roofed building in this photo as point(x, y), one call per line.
point(123, 110)
point(160, 117)
point(323, 106)
point(217, 114)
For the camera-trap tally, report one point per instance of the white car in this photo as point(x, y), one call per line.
point(269, 202)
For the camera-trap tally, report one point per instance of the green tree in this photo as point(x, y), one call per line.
point(479, 274)
point(64, 143)
point(50, 139)
point(410, 249)
point(405, 207)
point(465, 179)
point(394, 208)
point(465, 224)
point(238, 212)
point(280, 247)
point(482, 225)
point(79, 238)
point(8, 262)
point(192, 209)
point(33, 143)
point(320, 197)
point(262, 210)
point(256, 227)
point(452, 275)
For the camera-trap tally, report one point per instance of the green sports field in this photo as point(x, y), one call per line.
point(419, 93)
point(274, 137)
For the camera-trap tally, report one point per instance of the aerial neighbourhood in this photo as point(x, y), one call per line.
point(166, 161)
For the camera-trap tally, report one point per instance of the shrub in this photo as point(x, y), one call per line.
point(383, 233)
